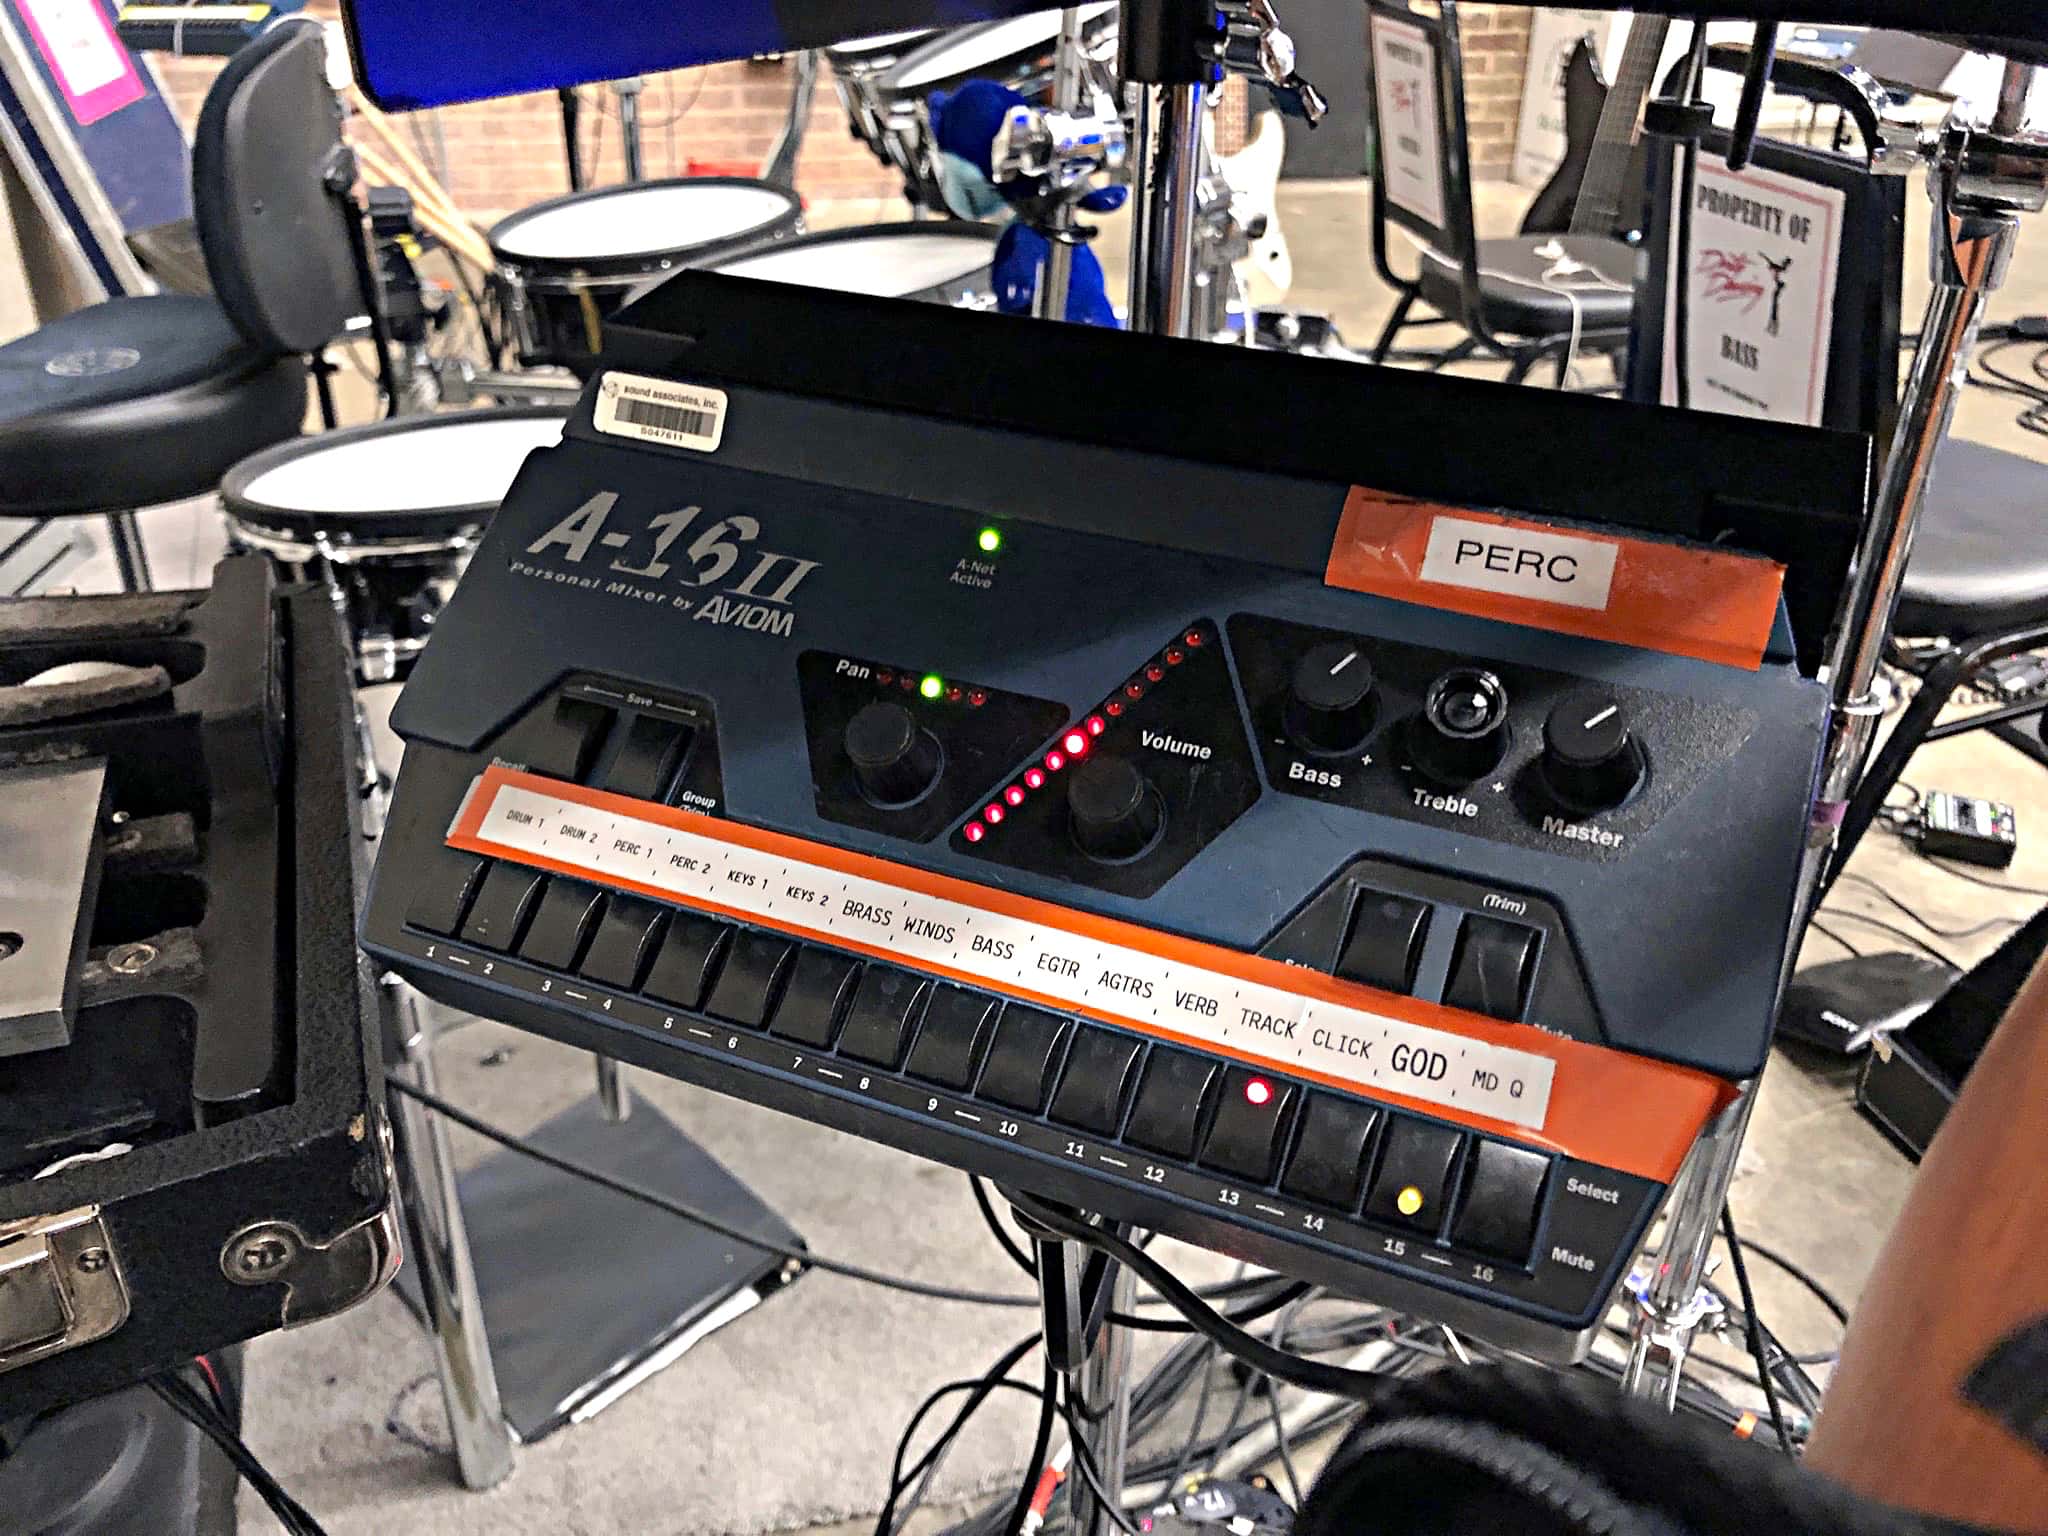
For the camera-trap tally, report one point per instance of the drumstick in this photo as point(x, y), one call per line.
point(453, 232)
point(425, 209)
point(424, 181)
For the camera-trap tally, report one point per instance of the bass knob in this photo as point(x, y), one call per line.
point(1331, 702)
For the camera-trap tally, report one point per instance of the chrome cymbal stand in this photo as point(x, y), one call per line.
point(1171, 54)
point(1981, 179)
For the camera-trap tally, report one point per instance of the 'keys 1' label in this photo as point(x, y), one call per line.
point(1113, 981)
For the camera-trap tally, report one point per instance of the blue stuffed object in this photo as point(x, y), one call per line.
point(964, 125)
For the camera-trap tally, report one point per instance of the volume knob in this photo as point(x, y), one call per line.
point(1462, 732)
point(1591, 758)
point(1331, 705)
point(1115, 813)
point(895, 760)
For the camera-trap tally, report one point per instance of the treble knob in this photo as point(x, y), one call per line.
point(1115, 812)
point(895, 760)
point(1462, 732)
point(1331, 704)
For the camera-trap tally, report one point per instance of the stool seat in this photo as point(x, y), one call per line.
point(1517, 299)
point(134, 402)
point(1980, 557)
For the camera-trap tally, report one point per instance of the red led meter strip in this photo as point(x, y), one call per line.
point(1606, 1106)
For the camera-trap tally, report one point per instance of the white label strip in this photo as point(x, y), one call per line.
point(1009, 953)
point(660, 411)
point(1520, 562)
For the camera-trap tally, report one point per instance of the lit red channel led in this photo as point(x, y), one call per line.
point(1074, 744)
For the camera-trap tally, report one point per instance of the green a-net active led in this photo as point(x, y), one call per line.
point(932, 685)
point(990, 540)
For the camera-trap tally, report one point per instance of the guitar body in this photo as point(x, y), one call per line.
point(1585, 98)
point(1253, 176)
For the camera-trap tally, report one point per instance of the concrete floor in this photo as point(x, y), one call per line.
point(1816, 1181)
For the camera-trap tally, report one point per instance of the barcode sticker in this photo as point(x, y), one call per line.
point(660, 411)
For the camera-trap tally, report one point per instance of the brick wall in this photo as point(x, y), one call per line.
point(1496, 48)
point(507, 154)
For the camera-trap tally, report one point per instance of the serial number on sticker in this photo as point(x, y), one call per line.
point(658, 411)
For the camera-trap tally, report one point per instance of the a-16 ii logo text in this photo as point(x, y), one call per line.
point(717, 552)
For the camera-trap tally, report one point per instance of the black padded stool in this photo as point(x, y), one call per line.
point(139, 401)
point(1977, 582)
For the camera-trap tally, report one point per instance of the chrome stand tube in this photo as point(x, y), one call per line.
point(613, 1096)
point(1675, 1303)
point(1056, 276)
point(1101, 1391)
point(1980, 182)
point(439, 1243)
point(1166, 226)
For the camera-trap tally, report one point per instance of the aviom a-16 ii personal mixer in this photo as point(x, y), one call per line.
point(1253, 811)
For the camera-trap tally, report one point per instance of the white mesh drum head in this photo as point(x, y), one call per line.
point(992, 45)
point(464, 461)
point(885, 266)
point(854, 47)
point(643, 220)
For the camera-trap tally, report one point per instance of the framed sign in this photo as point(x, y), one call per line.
point(83, 121)
point(1404, 68)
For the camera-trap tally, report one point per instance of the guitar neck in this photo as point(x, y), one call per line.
point(1599, 203)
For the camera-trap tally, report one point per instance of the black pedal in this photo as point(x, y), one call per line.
point(1071, 827)
point(1965, 828)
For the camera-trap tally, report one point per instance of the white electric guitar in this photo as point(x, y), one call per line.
point(1253, 176)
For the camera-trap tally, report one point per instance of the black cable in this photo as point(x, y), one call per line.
point(726, 1230)
point(1821, 1293)
point(1755, 1332)
point(1961, 873)
point(1041, 1442)
point(1001, 1233)
point(979, 1388)
point(1091, 1474)
point(1314, 1375)
point(1186, 1456)
point(1894, 930)
point(1280, 1422)
point(184, 1400)
point(1826, 932)
point(1939, 932)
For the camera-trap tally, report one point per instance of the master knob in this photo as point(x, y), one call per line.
point(895, 760)
point(1331, 705)
point(1462, 732)
point(1115, 813)
point(1591, 758)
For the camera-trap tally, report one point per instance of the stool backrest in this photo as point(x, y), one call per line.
point(1421, 159)
point(276, 235)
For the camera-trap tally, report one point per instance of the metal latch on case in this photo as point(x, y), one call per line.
point(60, 1285)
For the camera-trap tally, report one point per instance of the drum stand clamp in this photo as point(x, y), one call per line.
point(1254, 44)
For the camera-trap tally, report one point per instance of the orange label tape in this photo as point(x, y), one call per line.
point(1706, 603)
